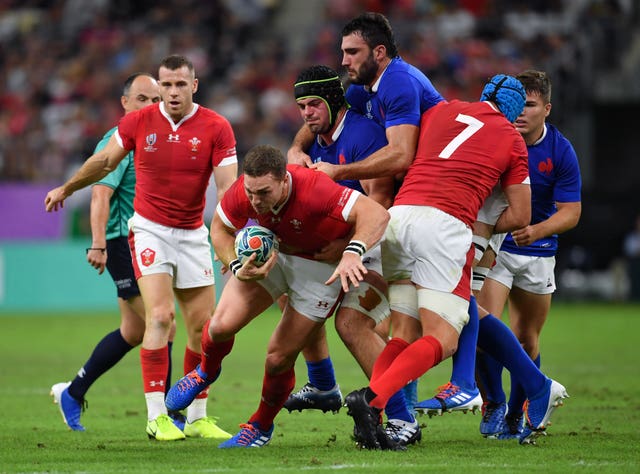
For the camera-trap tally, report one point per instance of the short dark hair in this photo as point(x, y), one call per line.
point(126, 87)
point(375, 30)
point(176, 61)
point(264, 159)
point(536, 81)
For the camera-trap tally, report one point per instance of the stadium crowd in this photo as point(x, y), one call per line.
point(63, 60)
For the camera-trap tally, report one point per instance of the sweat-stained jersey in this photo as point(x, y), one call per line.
point(174, 162)
point(313, 215)
point(464, 148)
point(355, 139)
point(400, 96)
point(555, 177)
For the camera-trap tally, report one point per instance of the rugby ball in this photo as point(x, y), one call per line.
point(255, 239)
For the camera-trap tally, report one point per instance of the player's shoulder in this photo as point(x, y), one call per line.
point(210, 115)
point(357, 120)
point(560, 146)
point(399, 73)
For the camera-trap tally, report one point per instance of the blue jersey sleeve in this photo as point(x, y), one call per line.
point(569, 182)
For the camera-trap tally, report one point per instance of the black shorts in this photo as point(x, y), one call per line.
point(120, 267)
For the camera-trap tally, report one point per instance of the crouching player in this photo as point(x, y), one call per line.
point(307, 210)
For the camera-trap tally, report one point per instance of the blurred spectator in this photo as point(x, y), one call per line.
point(632, 253)
point(62, 60)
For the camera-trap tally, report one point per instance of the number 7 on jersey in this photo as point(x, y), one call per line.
point(473, 125)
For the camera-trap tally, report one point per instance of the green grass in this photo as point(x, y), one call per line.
point(590, 348)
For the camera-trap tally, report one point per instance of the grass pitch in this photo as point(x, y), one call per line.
point(590, 348)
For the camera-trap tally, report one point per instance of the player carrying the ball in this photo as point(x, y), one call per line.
point(306, 210)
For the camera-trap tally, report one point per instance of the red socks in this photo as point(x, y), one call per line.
point(275, 391)
point(155, 364)
point(213, 352)
point(408, 365)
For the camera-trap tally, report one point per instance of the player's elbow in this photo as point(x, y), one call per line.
point(522, 218)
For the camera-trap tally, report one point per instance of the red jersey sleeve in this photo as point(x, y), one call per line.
point(224, 150)
point(126, 133)
point(518, 170)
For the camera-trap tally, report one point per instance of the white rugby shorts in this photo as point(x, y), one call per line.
point(185, 254)
point(303, 281)
point(532, 274)
point(429, 247)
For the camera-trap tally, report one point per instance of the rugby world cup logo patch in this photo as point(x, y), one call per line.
point(150, 140)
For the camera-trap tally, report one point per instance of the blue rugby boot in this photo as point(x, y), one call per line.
point(492, 423)
point(538, 410)
point(70, 408)
point(185, 390)
point(249, 436)
point(451, 398)
point(311, 398)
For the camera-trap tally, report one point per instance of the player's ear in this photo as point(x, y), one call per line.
point(195, 85)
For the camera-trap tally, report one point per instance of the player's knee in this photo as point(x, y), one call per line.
point(133, 335)
point(278, 362)
point(351, 323)
point(161, 317)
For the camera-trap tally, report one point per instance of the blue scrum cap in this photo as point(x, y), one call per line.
point(507, 93)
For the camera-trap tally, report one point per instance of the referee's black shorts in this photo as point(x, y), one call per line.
point(120, 267)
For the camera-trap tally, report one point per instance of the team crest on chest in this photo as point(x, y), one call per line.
point(150, 140)
point(296, 224)
point(195, 144)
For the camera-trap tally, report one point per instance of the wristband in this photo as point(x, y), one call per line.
point(356, 246)
point(103, 250)
point(235, 265)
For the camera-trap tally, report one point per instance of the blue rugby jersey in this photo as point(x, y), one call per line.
point(399, 97)
point(355, 139)
point(555, 177)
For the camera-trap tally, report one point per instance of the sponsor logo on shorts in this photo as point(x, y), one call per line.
point(148, 256)
point(322, 304)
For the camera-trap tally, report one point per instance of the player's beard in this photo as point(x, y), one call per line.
point(366, 73)
point(319, 128)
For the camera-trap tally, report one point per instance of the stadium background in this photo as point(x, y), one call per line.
point(62, 64)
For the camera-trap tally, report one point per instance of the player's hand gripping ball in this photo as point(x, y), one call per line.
point(255, 239)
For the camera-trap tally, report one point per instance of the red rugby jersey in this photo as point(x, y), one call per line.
point(313, 215)
point(463, 150)
point(174, 161)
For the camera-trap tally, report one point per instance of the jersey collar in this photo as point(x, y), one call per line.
point(174, 125)
point(276, 210)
